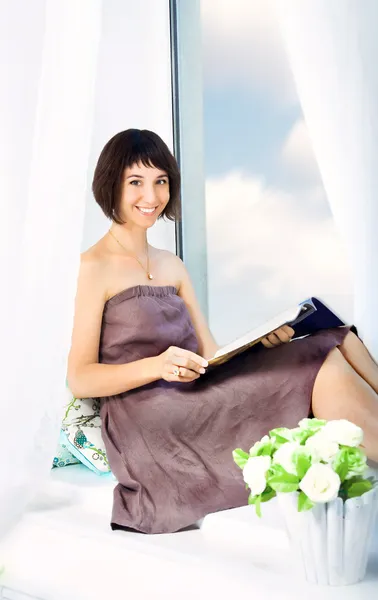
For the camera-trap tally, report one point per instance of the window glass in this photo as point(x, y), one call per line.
point(271, 238)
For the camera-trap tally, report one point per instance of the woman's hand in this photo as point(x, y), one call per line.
point(177, 364)
point(278, 337)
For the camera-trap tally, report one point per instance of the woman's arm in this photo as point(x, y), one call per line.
point(86, 376)
point(207, 343)
point(97, 380)
point(208, 346)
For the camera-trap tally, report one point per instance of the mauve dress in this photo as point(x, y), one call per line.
point(170, 445)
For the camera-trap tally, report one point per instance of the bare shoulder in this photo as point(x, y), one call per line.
point(168, 257)
point(89, 305)
point(171, 263)
point(92, 262)
point(94, 266)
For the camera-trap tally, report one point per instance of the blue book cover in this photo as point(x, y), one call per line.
point(305, 318)
point(314, 316)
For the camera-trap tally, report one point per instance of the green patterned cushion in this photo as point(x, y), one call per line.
point(63, 457)
point(81, 433)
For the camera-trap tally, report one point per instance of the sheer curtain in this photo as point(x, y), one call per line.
point(49, 56)
point(333, 48)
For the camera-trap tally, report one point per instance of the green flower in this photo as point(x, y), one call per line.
point(264, 447)
point(356, 460)
point(312, 424)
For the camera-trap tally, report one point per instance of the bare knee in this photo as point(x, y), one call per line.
point(334, 383)
point(350, 339)
point(351, 345)
point(334, 367)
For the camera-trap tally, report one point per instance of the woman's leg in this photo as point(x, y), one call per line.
point(358, 356)
point(341, 393)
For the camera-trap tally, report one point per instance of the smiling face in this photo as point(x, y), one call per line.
point(145, 194)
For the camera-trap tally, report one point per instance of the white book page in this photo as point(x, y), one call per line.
point(261, 331)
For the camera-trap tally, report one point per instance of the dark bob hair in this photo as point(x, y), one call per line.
point(127, 148)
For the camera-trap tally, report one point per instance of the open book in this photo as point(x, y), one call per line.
point(305, 318)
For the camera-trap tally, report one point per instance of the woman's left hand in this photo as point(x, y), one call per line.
point(278, 337)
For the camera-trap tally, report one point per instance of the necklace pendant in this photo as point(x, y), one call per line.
point(149, 276)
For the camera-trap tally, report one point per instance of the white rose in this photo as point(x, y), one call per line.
point(257, 445)
point(296, 430)
point(344, 432)
point(322, 447)
point(254, 473)
point(321, 483)
point(304, 423)
point(284, 456)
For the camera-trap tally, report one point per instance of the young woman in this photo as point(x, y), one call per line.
point(141, 344)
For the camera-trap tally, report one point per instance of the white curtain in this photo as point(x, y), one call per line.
point(333, 48)
point(49, 56)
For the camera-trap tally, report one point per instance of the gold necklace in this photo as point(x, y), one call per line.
point(149, 275)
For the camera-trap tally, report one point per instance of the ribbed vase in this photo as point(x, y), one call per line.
point(331, 541)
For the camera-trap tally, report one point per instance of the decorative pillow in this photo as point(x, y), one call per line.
point(63, 457)
point(81, 433)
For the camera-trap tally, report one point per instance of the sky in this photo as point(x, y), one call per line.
point(272, 241)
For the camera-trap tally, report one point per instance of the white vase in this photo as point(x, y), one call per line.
point(332, 540)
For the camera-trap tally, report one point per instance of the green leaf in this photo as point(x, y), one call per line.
point(317, 423)
point(262, 449)
point(372, 480)
point(302, 436)
point(278, 443)
point(266, 449)
point(351, 480)
point(302, 463)
point(281, 433)
point(240, 457)
point(342, 471)
point(268, 494)
point(304, 502)
point(282, 481)
point(258, 506)
point(355, 486)
point(278, 472)
point(283, 486)
point(312, 423)
point(340, 464)
point(359, 488)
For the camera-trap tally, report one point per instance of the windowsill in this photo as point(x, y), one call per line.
point(64, 548)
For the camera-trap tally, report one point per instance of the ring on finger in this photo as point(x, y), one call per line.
point(176, 372)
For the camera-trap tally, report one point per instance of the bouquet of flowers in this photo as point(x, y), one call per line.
point(319, 459)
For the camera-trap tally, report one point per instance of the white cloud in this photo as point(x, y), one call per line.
point(298, 155)
point(268, 249)
point(242, 45)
